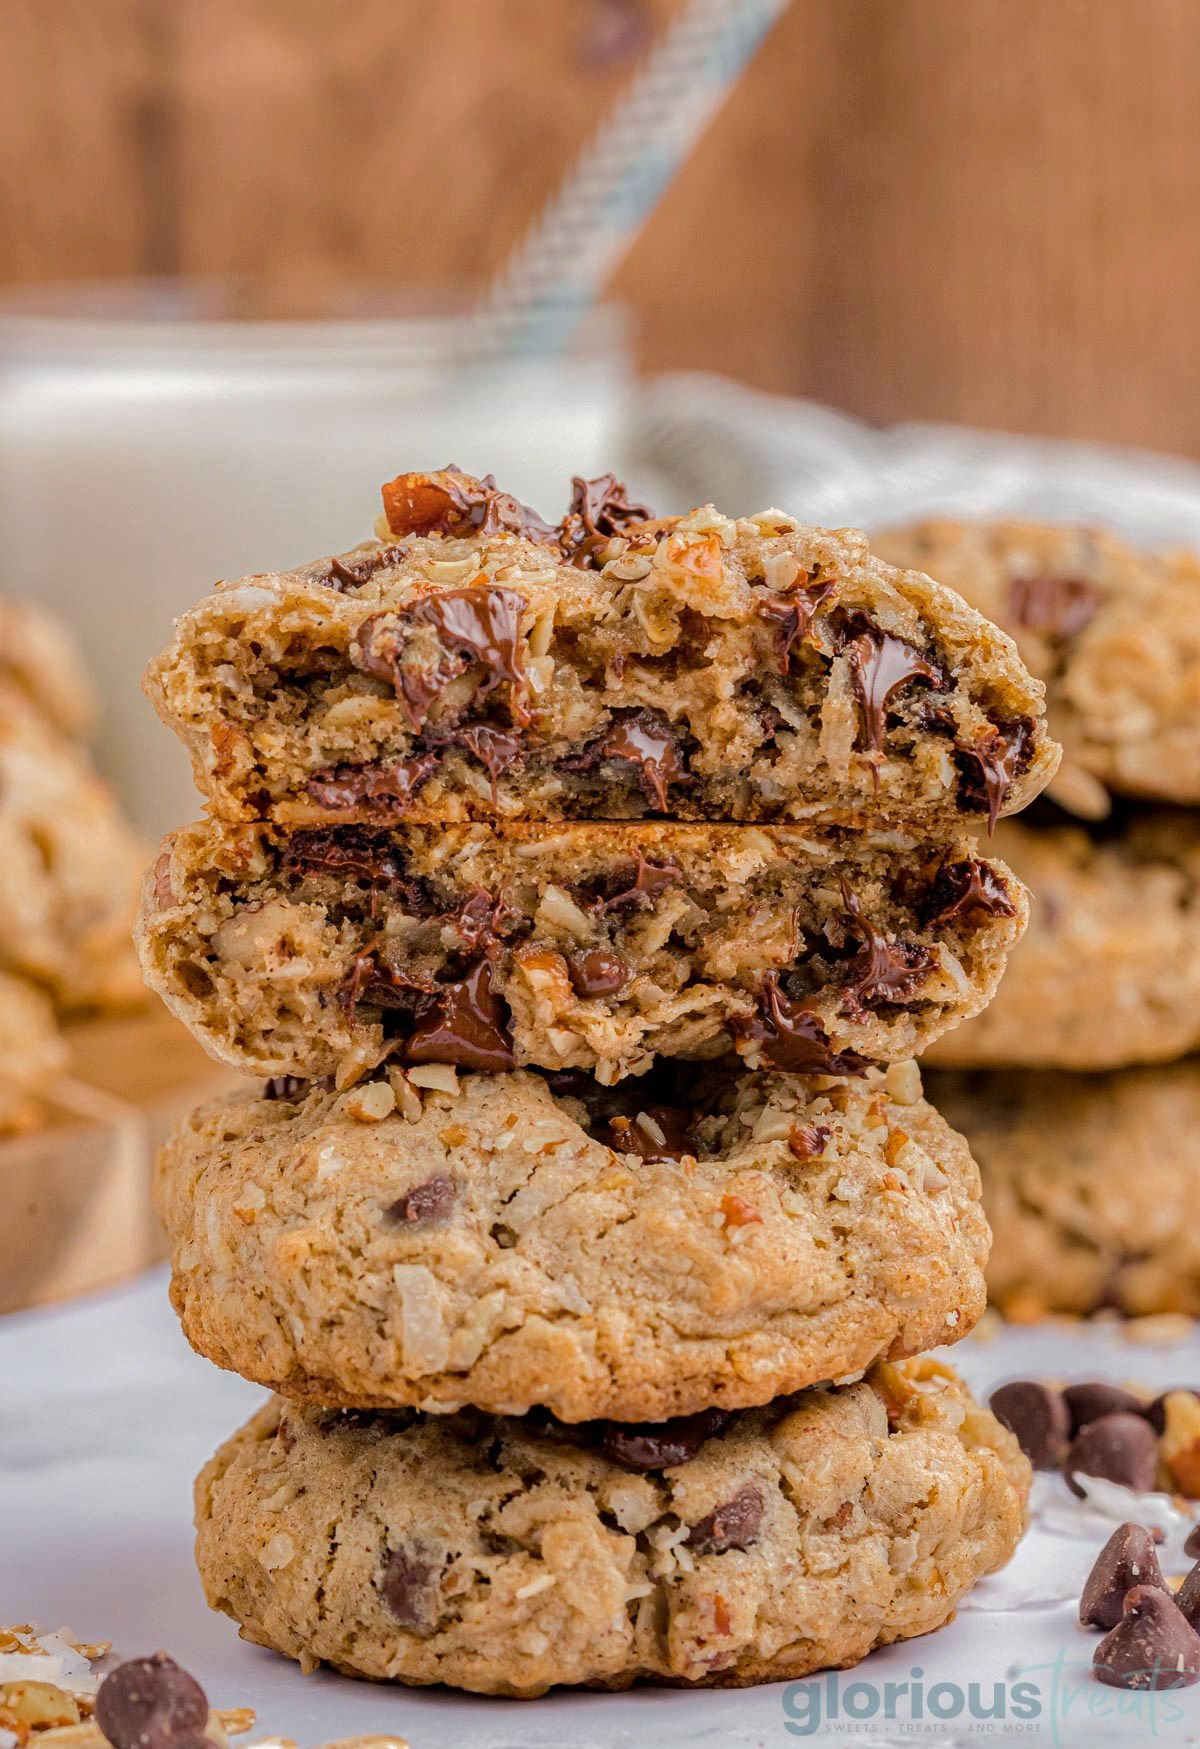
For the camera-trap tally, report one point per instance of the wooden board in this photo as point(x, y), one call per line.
point(75, 1208)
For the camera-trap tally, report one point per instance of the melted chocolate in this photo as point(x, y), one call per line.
point(1057, 608)
point(342, 577)
point(597, 973)
point(880, 666)
point(650, 879)
point(451, 502)
point(386, 789)
point(644, 739)
point(478, 624)
point(660, 1445)
point(789, 616)
point(464, 1023)
point(966, 889)
point(425, 1204)
point(350, 852)
point(791, 1037)
point(881, 971)
point(628, 1135)
point(407, 1585)
point(496, 749)
point(733, 1525)
point(599, 509)
point(987, 768)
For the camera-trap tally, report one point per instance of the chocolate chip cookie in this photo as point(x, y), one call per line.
point(1114, 633)
point(69, 868)
point(674, 1243)
point(32, 1052)
point(475, 664)
point(321, 951)
point(506, 1556)
point(1090, 1185)
point(1108, 973)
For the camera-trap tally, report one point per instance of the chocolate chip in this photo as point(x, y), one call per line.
point(389, 788)
point(1089, 1401)
point(1188, 1595)
point(464, 1023)
point(450, 502)
point(1152, 1646)
point(649, 879)
point(645, 740)
point(150, 1703)
point(352, 853)
point(599, 509)
point(881, 971)
point(1037, 1417)
point(1156, 1412)
point(661, 1445)
point(657, 1132)
point(790, 1037)
point(425, 1204)
point(789, 617)
point(597, 973)
point(880, 666)
point(479, 625)
point(966, 889)
point(1116, 1448)
point(406, 1585)
point(496, 749)
point(987, 767)
point(342, 576)
point(1191, 1547)
point(807, 1141)
point(1056, 607)
point(734, 1525)
point(1127, 1559)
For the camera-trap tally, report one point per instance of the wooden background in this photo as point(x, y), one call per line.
point(983, 210)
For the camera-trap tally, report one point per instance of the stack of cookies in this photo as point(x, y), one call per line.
point(1070, 1087)
point(583, 893)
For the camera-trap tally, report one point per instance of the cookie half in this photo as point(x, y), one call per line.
point(1090, 1184)
point(1108, 972)
point(468, 667)
point(1114, 633)
point(580, 946)
point(647, 1251)
point(510, 1556)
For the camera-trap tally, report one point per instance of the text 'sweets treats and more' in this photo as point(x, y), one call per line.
point(583, 891)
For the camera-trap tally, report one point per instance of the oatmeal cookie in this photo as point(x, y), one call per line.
point(69, 868)
point(638, 1252)
point(32, 1052)
point(1113, 633)
point(314, 952)
point(466, 666)
point(1090, 1183)
point(40, 662)
point(508, 1556)
point(1108, 973)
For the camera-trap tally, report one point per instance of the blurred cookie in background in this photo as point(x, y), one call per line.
point(32, 1053)
point(40, 660)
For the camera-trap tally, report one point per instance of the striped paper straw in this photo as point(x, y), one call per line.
point(559, 271)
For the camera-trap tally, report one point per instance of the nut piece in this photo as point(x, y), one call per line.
point(1180, 1446)
point(371, 1102)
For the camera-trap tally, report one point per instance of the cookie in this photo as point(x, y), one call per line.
point(1114, 633)
point(508, 1556)
point(639, 1252)
point(1090, 1185)
point(1108, 973)
point(32, 1052)
point(316, 952)
point(69, 868)
point(467, 667)
point(40, 662)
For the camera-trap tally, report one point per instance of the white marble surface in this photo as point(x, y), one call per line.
point(108, 1415)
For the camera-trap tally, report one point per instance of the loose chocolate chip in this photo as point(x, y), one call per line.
point(599, 509)
point(384, 789)
point(406, 1585)
point(1117, 1448)
point(1127, 1559)
point(450, 502)
point(789, 617)
point(425, 1204)
point(1037, 1416)
point(1188, 1595)
point(1055, 607)
point(464, 1023)
point(1152, 1646)
point(597, 973)
point(966, 889)
point(649, 879)
point(1092, 1399)
point(733, 1525)
point(880, 665)
point(150, 1703)
point(808, 1140)
point(987, 767)
point(657, 1132)
point(1156, 1413)
point(1191, 1547)
point(790, 1037)
point(881, 971)
point(661, 1445)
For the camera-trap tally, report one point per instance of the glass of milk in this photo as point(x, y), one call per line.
point(155, 437)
